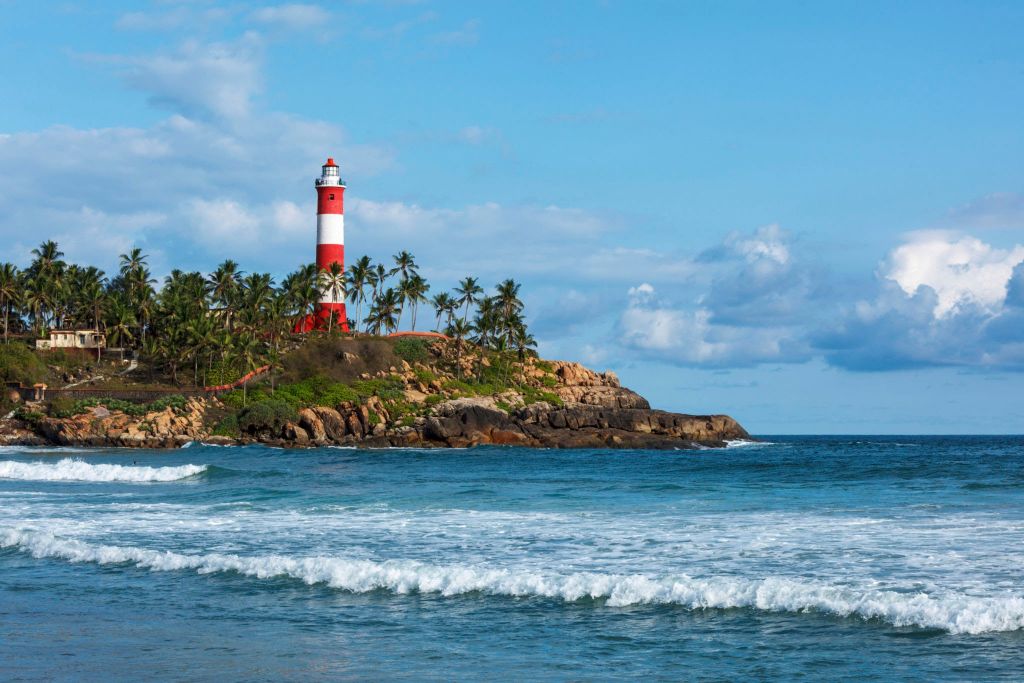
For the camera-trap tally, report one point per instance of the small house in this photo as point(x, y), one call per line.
point(86, 340)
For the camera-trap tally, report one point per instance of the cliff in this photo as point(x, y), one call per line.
point(377, 393)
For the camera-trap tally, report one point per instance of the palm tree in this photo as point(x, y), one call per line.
point(404, 264)
point(224, 283)
point(93, 296)
point(523, 342)
point(248, 352)
point(442, 305)
point(359, 276)
point(10, 292)
point(469, 293)
point(380, 274)
point(415, 291)
point(459, 330)
point(384, 313)
point(37, 299)
point(47, 257)
point(332, 285)
point(120, 321)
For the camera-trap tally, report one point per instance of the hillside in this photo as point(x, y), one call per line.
point(381, 391)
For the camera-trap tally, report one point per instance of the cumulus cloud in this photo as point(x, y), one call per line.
point(964, 272)
point(942, 300)
point(748, 301)
point(667, 332)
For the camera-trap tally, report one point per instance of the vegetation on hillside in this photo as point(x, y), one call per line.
point(212, 328)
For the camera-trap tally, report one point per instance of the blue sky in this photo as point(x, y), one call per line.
point(807, 215)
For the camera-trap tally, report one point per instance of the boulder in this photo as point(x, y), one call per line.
point(312, 425)
point(334, 424)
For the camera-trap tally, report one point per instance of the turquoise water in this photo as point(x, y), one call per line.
point(818, 558)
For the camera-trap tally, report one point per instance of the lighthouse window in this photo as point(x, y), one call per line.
point(332, 197)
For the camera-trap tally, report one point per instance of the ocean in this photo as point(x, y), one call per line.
point(813, 558)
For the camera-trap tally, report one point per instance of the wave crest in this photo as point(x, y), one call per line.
point(73, 469)
point(955, 613)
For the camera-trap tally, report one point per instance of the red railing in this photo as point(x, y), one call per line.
point(239, 382)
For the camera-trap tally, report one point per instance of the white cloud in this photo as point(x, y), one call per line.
point(689, 336)
point(216, 80)
point(180, 17)
point(292, 16)
point(767, 243)
point(962, 270)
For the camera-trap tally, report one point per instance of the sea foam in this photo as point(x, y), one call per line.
point(72, 469)
point(956, 613)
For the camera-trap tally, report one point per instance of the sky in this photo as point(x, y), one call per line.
point(809, 216)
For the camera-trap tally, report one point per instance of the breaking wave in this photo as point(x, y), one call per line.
point(955, 613)
point(72, 469)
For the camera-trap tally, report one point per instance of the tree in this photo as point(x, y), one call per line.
point(459, 330)
point(523, 342)
point(442, 306)
point(120, 321)
point(224, 283)
point(359, 275)
point(468, 293)
point(404, 264)
point(384, 313)
point(10, 292)
point(332, 285)
point(47, 258)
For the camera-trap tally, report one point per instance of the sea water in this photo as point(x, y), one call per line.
point(823, 558)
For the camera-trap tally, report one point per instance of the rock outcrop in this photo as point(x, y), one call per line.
point(552, 404)
point(101, 427)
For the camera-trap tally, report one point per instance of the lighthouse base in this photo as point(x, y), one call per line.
point(320, 320)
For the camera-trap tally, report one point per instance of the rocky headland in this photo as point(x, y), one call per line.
point(388, 401)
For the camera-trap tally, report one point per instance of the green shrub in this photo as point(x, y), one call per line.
point(19, 363)
point(532, 395)
point(63, 407)
point(266, 416)
point(424, 376)
point(399, 409)
point(550, 381)
point(433, 400)
point(30, 416)
point(176, 402)
point(227, 427)
point(502, 405)
point(316, 391)
point(388, 388)
point(412, 349)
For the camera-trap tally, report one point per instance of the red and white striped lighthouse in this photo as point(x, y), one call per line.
point(330, 239)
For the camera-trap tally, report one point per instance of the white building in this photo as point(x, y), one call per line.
point(91, 340)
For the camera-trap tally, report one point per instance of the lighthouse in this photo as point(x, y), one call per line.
point(330, 240)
